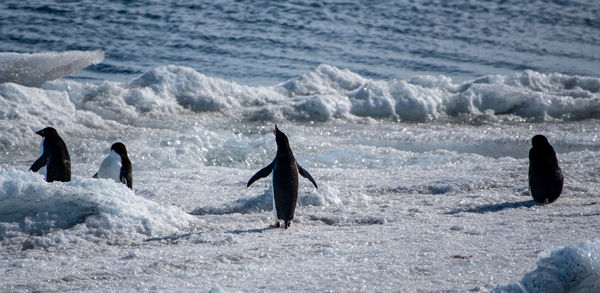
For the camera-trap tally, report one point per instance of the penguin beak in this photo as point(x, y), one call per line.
point(276, 129)
point(40, 133)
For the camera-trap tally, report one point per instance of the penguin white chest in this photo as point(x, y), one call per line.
point(42, 170)
point(42, 146)
point(111, 167)
point(273, 188)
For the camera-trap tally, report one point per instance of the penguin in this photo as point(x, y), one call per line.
point(54, 156)
point(284, 170)
point(116, 166)
point(545, 176)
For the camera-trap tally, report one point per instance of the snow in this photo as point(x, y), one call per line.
point(573, 268)
point(422, 185)
point(89, 209)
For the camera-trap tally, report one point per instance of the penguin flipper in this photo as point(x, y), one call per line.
point(264, 172)
point(126, 179)
point(39, 163)
point(306, 175)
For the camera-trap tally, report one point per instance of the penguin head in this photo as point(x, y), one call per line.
point(47, 132)
point(539, 141)
point(119, 148)
point(281, 138)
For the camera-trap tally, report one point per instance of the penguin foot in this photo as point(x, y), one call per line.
point(287, 224)
point(276, 225)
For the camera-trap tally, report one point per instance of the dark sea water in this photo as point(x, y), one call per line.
point(267, 42)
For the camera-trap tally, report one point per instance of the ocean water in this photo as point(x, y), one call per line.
point(264, 43)
point(414, 118)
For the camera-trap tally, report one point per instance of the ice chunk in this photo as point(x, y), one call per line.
point(573, 268)
point(36, 68)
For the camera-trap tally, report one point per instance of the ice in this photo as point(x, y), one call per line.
point(326, 196)
point(573, 268)
point(26, 110)
point(89, 209)
point(33, 69)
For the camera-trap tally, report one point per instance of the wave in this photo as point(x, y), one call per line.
point(329, 92)
point(162, 95)
point(34, 213)
point(33, 69)
point(573, 268)
point(325, 94)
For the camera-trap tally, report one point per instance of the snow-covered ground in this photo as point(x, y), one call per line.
point(422, 185)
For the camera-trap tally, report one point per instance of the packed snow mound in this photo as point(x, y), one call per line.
point(36, 68)
point(45, 214)
point(573, 268)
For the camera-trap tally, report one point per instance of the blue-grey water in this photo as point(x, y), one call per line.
point(266, 42)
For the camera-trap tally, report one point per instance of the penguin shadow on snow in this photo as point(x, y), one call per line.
point(492, 208)
point(256, 230)
point(193, 237)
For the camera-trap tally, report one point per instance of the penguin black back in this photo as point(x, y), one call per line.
point(545, 176)
point(126, 172)
point(55, 157)
point(285, 172)
point(285, 179)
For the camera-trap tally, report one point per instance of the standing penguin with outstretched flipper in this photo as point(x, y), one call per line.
point(545, 176)
point(284, 170)
point(54, 156)
point(116, 166)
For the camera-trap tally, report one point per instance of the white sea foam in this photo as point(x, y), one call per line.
point(83, 209)
point(325, 94)
point(36, 68)
point(573, 268)
point(328, 93)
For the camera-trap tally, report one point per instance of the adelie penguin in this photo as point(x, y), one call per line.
point(116, 166)
point(545, 176)
point(54, 156)
point(284, 170)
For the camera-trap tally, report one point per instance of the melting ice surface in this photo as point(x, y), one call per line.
point(422, 184)
point(36, 68)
